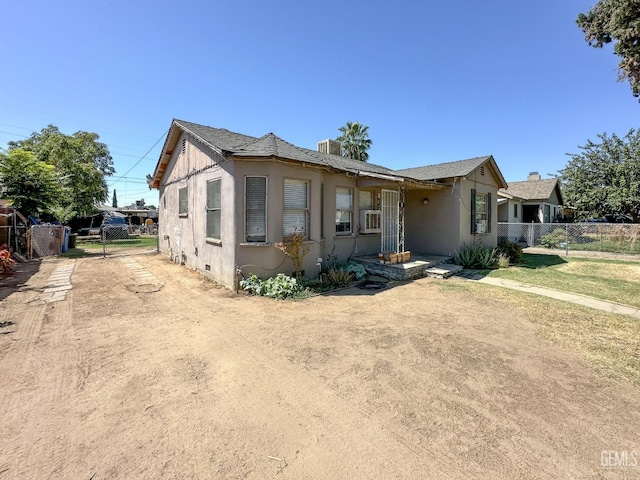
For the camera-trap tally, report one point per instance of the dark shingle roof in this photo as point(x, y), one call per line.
point(271, 145)
point(444, 170)
point(533, 189)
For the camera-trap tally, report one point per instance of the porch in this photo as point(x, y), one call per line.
point(414, 268)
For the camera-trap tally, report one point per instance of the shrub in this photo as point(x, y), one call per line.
point(281, 286)
point(553, 239)
point(477, 256)
point(503, 261)
point(293, 247)
point(357, 269)
point(6, 262)
point(339, 277)
point(512, 250)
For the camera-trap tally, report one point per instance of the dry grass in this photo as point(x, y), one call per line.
point(610, 342)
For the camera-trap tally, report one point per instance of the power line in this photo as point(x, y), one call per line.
point(142, 158)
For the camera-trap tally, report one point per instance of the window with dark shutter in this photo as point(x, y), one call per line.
point(480, 212)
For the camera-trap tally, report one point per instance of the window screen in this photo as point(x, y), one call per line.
point(344, 202)
point(214, 204)
point(255, 209)
point(296, 208)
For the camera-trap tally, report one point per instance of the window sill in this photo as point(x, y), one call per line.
point(254, 244)
point(183, 215)
point(213, 241)
point(346, 235)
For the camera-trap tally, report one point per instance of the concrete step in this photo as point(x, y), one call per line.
point(444, 270)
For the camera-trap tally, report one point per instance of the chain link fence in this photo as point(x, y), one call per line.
point(118, 239)
point(600, 237)
point(46, 240)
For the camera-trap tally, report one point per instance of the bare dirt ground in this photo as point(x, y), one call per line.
point(145, 370)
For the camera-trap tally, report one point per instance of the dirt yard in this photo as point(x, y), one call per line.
point(143, 370)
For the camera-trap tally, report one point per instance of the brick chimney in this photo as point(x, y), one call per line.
point(533, 176)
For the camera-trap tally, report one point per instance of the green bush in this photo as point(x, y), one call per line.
point(477, 256)
point(281, 286)
point(553, 239)
point(512, 250)
point(357, 269)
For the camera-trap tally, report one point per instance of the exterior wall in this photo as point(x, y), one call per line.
point(505, 211)
point(483, 184)
point(432, 228)
point(265, 259)
point(183, 239)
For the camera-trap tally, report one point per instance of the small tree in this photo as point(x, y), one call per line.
point(293, 247)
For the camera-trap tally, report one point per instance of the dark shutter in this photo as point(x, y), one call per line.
point(473, 210)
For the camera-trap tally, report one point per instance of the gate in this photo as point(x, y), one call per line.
point(119, 240)
point(390, 217)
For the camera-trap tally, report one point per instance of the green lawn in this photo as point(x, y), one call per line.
point(86, 247)
point(612, 280)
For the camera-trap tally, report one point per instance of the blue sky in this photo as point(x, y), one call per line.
point(434, 81)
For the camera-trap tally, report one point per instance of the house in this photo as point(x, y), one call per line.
point(534, 200)
point(226, 198)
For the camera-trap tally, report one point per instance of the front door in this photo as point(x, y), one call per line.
point(390, 213)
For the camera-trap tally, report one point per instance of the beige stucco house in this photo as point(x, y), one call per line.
point(226, 198)
point(535, 200)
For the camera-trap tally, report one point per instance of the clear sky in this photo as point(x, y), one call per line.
point(435, 81)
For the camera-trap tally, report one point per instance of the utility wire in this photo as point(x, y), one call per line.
point(142, 158)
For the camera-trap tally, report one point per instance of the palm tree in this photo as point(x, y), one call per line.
point(354, 141)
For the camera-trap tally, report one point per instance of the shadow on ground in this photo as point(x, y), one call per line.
point(15, 280)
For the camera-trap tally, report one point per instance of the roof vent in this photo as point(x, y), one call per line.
point(534, 176)
point(329, 146)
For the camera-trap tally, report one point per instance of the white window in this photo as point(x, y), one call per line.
point(214, 206)
point(255, 191)
point(183, 201)
point(344, 207)
point(296, 208)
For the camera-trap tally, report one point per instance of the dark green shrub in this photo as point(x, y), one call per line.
point(512, 250)
point(553, 239)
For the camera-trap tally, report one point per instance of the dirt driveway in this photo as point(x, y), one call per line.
point(145, 371)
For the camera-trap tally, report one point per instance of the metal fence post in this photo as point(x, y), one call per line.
point(566, 239)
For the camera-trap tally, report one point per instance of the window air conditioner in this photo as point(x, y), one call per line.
point(370, 221)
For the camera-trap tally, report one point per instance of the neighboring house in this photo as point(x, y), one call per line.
point(534, 200)
point(227, 198)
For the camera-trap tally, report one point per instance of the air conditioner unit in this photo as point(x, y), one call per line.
point(480, 228)
point(370, 221)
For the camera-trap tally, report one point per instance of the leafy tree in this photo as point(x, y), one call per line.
point(618, 20)
point(82, 161)
point(605, 178)
point(114, 204)
point(32, 186)
point(354, 141)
